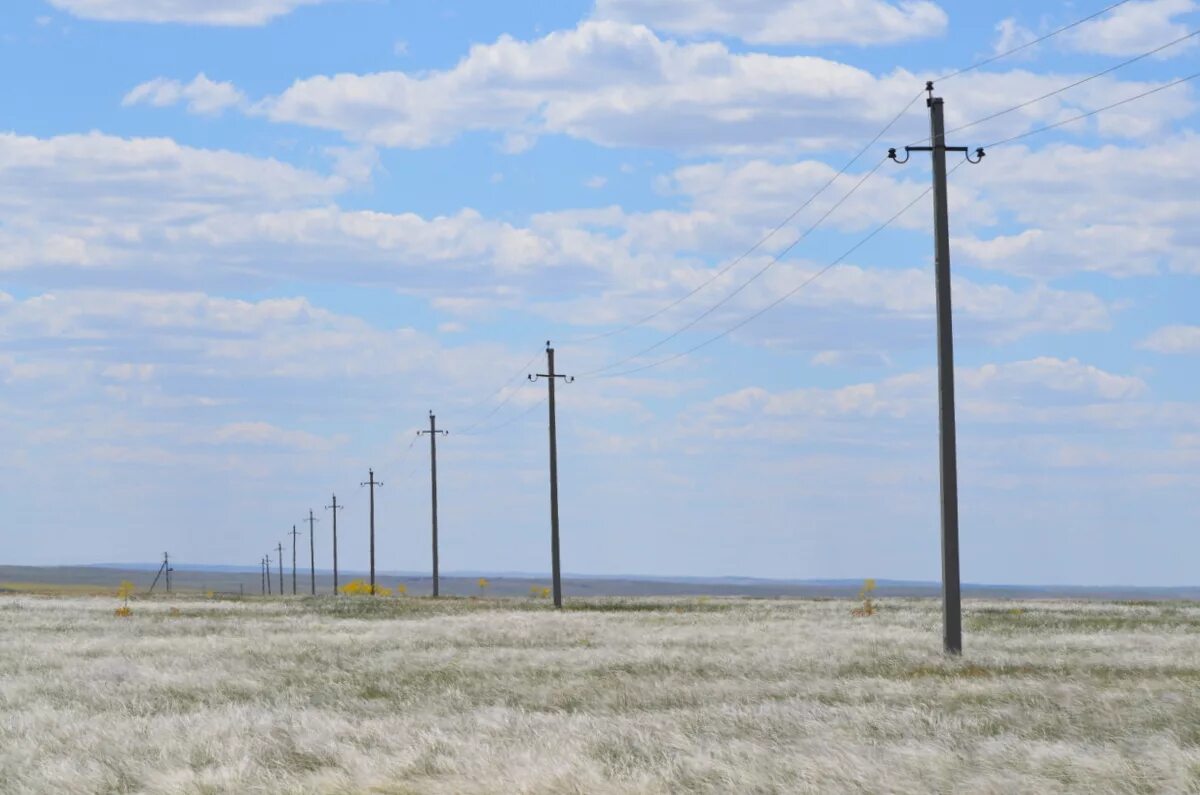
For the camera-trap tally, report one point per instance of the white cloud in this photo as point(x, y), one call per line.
point(596, 182)
point(621, 85)
point(96, 200)
point(1174, 339)
point(1039, 391)
point(1010, 35)
point(807, 22)
point(203, 96)
point(264, 434)
point(850, 358)
point(1134, 28)
point(1123, 211)
point(196, 12)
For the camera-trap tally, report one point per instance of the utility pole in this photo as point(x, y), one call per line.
point(262, 569)
point(312, 552)
point(372, 482)
point(550, 377)
point(163, 568)
point(335, 508)
point(948, 455)
point(267, 564)
point(433, 434)
point(280, 548)
point(293, 534)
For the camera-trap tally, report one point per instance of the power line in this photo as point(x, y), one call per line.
point(1077, 83)
point(753, 278)
point(741, 257)
point(1028, 44)
point(762, 311)
point(775, 230)
point(879, 229)
point(518, 416)
point(523, 369)
point(1091, 113)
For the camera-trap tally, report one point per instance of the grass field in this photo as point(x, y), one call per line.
point(500, 696)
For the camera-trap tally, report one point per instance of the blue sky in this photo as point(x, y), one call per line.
point(247, 245)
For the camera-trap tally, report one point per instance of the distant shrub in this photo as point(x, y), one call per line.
point(363, 588)
point(401, 589)
point(483, 584)
point(124, 591)
point(868, 605)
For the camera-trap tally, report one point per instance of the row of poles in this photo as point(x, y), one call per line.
point(947, 448)
point(551, 378)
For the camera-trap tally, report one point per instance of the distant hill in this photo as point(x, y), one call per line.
point(248, 580)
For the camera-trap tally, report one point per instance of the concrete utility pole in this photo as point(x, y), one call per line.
point(372, 482)
point(293, 534)
point(312, 552)
point(551, 377)
point(335, 508)
point(433, 434)
point(167, 570)
point(262, 569)
point(951, 587)
point(280, 548)
point(267, 565)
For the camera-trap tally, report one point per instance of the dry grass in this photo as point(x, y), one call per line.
point(407, 695)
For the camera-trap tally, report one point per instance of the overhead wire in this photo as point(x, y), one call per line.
point(1031, 43)
point(519, 415)
point(763, 310)
point(1091, 113)
point(990, 117)
point(753, 278)
point(522, 370)
point(1075, 84)
point(758, 313)
point(759, 243)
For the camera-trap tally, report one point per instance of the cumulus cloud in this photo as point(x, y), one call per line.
point(1001, 392)
point(240, 13)
point(1122, 211)
point(1134, 28)
point(807, 22)
point(203, 96)
point(153, 212)
point(616, 84)
point(1174, 339)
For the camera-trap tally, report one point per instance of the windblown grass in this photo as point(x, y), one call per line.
point(666, 695)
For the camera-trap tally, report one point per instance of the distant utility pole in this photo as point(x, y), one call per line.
point(335, 508)
point(951, 587)
point(164, 568)
point(433, 434)
point(267, 564)
point(312, 552)
point(550, 377)
point(262, 569)
point(293, 534)
point(280, 556)
point(372, 482)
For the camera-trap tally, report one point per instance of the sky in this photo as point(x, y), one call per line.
point(246, 246)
